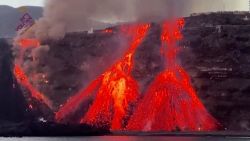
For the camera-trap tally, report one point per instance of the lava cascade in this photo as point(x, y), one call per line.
point(116, 89)
point(23, 78)
point(74, 102)
point(170, 103)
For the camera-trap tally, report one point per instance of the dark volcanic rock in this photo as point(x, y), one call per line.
point(12, 102)
point(14, 107)
point(215, 52)
point(79, 58)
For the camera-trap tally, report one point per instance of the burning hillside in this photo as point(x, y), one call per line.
point(115, 91)
point(118, 90)
point(166, 76)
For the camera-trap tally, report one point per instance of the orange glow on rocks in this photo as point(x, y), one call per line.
point(116, 91)
point(107, 31)
point(171, 103)
point(74, 102)
point(24, 81)
point(25, 43)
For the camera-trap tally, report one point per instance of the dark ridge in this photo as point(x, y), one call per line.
point(12, 102)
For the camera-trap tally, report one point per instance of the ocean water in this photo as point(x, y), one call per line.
point(125, 138)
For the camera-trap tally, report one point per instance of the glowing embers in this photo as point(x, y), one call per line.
point(24, 81)
point(170, 103)
point(116, 89)
point(23, 78)
point(74, 102)
point(25, 43)
point(107, 31)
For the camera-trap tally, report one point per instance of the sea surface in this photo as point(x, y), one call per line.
point(126, 138)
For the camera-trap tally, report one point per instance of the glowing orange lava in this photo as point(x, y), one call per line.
point(25, 43)
point(107, 31)
point(74, 102)
point(170, 103)
point(23, 78)
point(116, 91)
point(24, 81)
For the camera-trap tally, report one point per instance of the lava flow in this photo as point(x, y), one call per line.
point(116, 89)
point(23, 79)
point(25, 43)
point(170, 103)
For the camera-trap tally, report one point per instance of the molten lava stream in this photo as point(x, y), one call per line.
point(25, 43)
point(117, 89)
point(23, 79)
point(170, 103)
point(74, 102)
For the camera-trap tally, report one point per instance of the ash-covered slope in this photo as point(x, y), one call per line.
point(17, 118)
point(215, 52)
point(79, 58)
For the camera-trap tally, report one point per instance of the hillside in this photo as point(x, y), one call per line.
point(215, 51)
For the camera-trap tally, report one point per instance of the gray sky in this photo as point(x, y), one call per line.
point(228, 5)
point(241, 5)
point(18, 3)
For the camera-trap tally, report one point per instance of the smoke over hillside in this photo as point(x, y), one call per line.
point(61, 16)
point(51, 61)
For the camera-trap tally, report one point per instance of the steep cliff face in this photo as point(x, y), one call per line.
point(12, 102)
point(14, 98)
point(17, 118)
point(215, 51)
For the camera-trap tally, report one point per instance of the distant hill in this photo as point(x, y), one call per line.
point(10, 19)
